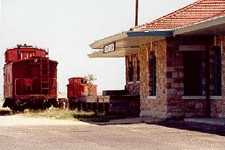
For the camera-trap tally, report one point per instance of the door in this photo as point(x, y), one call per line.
point(193, 73)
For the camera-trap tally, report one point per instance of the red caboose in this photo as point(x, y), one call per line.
point(30, 78)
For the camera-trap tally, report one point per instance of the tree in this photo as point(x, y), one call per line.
point(90, 78)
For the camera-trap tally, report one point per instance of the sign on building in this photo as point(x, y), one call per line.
point(109, 48)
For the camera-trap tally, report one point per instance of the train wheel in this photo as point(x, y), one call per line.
point(72, 104)
point(46, 104)
point(6, 103)
point(19, 107)
point(16, 108)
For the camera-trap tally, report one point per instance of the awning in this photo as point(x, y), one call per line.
point(125, 43)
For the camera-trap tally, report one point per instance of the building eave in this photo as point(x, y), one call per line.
point(99, 44)
point(126, 43)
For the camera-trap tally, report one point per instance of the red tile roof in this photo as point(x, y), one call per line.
point(198, 11)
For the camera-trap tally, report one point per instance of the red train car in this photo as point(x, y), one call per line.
point(79, 89)
point(30, 78)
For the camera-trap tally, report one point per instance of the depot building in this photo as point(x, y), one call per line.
point(176, 63)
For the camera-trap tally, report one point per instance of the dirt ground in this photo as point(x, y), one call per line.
point(22, 133)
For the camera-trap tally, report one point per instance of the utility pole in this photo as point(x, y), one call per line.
point(136, 12)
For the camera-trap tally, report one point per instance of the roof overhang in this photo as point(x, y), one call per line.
point(126, 43)
point(213, 26)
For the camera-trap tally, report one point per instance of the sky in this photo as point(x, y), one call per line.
point(67, 27)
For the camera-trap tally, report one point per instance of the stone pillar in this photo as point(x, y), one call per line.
point(175, 84)
point(218, 103)
point(155, 107)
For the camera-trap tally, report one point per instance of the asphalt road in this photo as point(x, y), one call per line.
point(19, 133)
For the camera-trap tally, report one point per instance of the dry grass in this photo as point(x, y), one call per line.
point(56, 113)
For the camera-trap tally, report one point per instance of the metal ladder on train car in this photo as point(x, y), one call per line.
point(44, 75)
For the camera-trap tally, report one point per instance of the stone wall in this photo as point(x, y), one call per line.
point(195, 108)
point(133, 88)
point(218, 108)
point(174, 74)
point(169, 101)
point(153, 106)
point(177, 105)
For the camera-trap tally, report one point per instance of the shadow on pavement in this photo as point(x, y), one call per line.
point(112, 121)
point(177, 124)
point(199, 127)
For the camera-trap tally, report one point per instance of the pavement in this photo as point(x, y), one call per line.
point(23, 133)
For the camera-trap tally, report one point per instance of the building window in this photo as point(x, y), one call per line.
point(193, 73)
point(130, 69)
point(152, 74)
point(138, 69)
point(216, 71)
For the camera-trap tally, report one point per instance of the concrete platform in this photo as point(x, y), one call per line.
point(207, 121)
point(195, 121)
point(209, 125)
